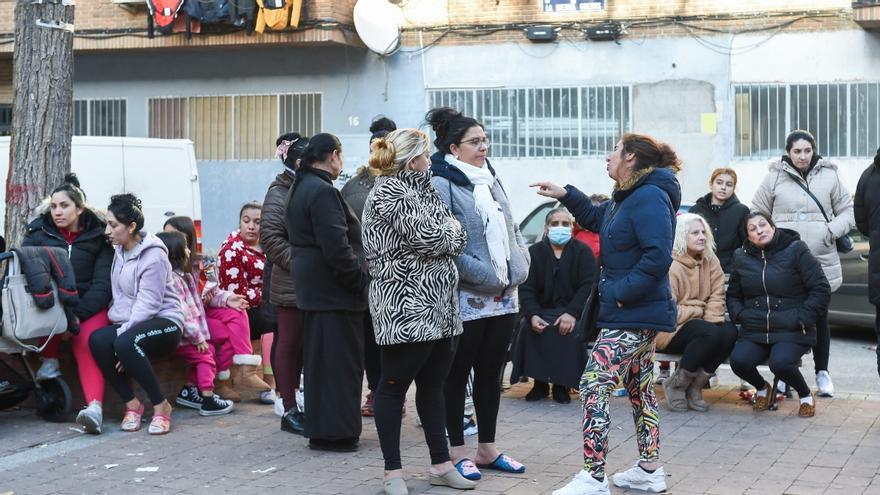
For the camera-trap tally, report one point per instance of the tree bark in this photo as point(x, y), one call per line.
point(42, 115)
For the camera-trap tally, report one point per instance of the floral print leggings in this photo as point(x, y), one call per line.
point(626, 355)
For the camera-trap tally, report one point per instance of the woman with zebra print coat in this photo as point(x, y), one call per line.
point(410, 241)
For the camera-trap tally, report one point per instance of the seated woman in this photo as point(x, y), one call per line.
point(702, 336)
point(777, 292)
point(146, 313)
point(560, 279)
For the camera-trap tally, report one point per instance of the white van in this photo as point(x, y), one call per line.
point(161, 172)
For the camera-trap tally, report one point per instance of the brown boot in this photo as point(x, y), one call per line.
point(675, 389)
point(246, 377)
point(694, 393)
point(224, 389)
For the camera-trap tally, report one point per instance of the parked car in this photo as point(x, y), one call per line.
point(849, 304)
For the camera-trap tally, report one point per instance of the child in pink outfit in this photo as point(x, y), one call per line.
point(197, 342)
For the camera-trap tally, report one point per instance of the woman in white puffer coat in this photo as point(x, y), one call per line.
point(783, 197)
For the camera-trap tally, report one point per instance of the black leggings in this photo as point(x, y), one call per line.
point(877, 332)
point(372, 359)
point(702, 344)
point(783, 358)
point(153, 338)
point(483, 347)
point(428, 364)
point(822, 349)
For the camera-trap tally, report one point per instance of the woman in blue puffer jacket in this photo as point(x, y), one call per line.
point(636, 230)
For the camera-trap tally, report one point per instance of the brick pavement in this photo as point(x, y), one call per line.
point(730, 450)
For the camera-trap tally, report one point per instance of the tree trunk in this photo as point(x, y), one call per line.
point(42, 115)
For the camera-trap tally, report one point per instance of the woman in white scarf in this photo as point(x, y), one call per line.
point(495, 262)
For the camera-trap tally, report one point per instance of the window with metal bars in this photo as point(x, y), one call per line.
point(239, 127)
point(545, 122)
point(104, 117)
point(844, 117)
point(5, 119)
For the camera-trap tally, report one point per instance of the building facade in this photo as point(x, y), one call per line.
point(723, 82)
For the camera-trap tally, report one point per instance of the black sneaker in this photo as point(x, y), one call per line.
point(215, 406)
point(293, 421)
point(190, 397)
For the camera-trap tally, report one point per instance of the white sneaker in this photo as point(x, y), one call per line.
point(823, 382)
point(662, 376)
point(639, 479)
point(268, 397)
point(780, 387)
point(279, 407)
point(91, 418)
point(584, 484)
point(49, 369)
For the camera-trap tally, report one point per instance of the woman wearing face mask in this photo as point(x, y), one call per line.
point(241, 261)
point(561, 276)
point(495, 262)
point(782, 196)
point(69, 223)
point(701, 336)
point(407, 229)
point(327, 269)
point(722, 209)
point(777, 293)
point(635, 303)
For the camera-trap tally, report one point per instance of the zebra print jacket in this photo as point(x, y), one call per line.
point(410, 241)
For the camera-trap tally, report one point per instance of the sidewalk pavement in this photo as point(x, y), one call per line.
point(729, 450)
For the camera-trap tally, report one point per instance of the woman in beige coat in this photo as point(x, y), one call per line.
point(701, 335)
point(782, 197)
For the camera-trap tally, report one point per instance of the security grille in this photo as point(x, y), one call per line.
point(239, 127)
point(844, 117)
point(105, 117)
point(545, 122)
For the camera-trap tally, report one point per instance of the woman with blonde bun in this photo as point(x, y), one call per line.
point(410, 241)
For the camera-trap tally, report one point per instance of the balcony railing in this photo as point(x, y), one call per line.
point(866, 13)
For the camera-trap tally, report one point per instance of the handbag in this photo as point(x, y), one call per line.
point(844, 243)
point(22, 319)
point(586, 328)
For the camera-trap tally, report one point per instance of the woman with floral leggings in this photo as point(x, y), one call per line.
point(636, 230)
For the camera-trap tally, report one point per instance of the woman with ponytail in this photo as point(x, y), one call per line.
point(494, 263)
point(68, 222)
point(408, 229)
point(636, 229)
point(327, 267)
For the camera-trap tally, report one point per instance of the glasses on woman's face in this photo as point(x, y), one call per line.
point(477, 142)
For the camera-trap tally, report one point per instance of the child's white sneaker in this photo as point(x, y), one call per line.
point(637, 478)
point(584, 484)
point(49, 369)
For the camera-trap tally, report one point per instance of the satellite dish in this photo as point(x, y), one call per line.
point(377, 22)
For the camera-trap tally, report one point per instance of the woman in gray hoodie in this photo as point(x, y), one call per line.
point(146, 312)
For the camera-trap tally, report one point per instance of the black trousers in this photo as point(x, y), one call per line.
point(426, 363)
point(483, 347)
point(822, 349)
point(783, 358)
point(333, 365)
point(877, 332)
point(703, 345)
point(153, 338)
point(372, 356)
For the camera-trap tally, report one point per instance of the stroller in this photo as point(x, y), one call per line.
point(52, 398)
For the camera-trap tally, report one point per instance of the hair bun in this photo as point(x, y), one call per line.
point(383, 153)
point(72, 179)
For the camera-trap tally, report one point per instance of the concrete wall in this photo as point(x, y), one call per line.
point(675, 80)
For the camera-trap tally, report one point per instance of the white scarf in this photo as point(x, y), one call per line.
point(490, 212)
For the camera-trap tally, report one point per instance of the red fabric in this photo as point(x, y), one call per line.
point(230, 335)
point(202, 369)
point(90, 377)
point(241, 269)
point(589, 238)
point(70, 236)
